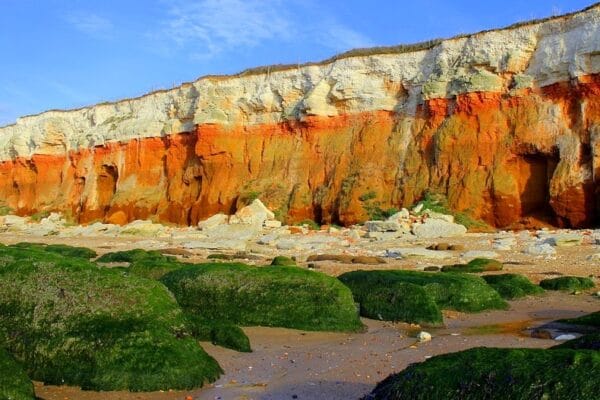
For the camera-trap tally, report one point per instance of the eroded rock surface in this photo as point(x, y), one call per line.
point(504, 123)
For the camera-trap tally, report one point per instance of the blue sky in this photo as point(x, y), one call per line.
point(71, 53)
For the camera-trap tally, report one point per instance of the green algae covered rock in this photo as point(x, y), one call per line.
point(282, 296)
point(502, 374)
point(14, 383)
point(69, 321)
point(512, 286)
point(567, 283)
point(474, 266)
point(392, 301)
point(461, 292)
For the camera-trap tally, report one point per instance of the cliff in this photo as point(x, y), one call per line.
point(505, 123)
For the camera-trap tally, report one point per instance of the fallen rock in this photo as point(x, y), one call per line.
point(566, 336)
point(256, 213)
point(504, 244)
point(382, 226)
point(565, 240)
point(213, 222)
point(540, 249)
point(423, 336)
point(417, 252)
point(436, 228)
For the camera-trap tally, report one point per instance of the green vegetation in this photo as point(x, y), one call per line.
point(5, 210)
point(38, 216)
point(567, 283)
point(439, 204)
point(219, 333)
point(392, 301)
point(373, 207)
point(220, 256)
point(147, 264)
point(310, 224)
point(461, 292)
point(267, 296)
point(592, 319)
point(283, 260)
point(14, 383)
point(512, 286)
point(71, 322)
point(62, 249)
point(474, 266)
point(503, 374)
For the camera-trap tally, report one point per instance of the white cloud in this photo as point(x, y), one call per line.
point(340, 38)
point(213, 26)
point(91, 24)
point(208, 27)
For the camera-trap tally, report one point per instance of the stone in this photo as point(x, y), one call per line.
point(117, 218)
point(409, 252)
point(143, 228)
point(272, 224)
point(435, 215)
point(417, 209)
point(593, 257)
point(423, 336)
point(437, 228)
point(541, 334)
point(565, 337)
point(504, 244)
point(213, 222)
point(540, 249)
point(401, 215)
point(254, 214)
point(382, 226)
point(431, 268)
point(565, 240)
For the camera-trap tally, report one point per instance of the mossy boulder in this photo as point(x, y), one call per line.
point(219, 333)
point(14, 383)
point(461, 292)
point(392, 301)
point(567, 283)
point(474, 266)
point(71, 322)
point(147, 264)
point(283, 260)
point(62, 249)
point(512, 286)
point(503, 374)
point(282, 296)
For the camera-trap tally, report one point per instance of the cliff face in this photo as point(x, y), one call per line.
point(505, 123)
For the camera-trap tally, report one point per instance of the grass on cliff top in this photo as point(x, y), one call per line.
point(439, 203)
point(14, 383)
point(475, 266)
point(392, 301)
point(512, 286)
point(282, 296)
point(69, 321)
point(502, 374)
point(567, 283)
point(461, 292)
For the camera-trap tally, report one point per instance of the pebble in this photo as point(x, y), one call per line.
point(423, 336)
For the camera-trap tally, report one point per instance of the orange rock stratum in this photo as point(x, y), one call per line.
point(505, 123)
